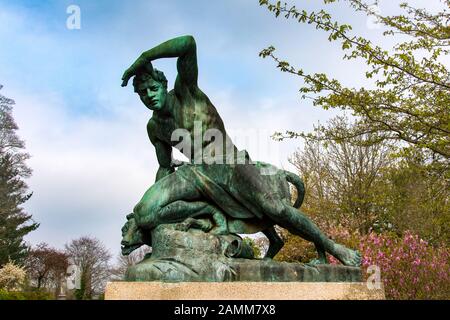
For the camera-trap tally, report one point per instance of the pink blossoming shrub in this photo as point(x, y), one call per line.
point(410, 267)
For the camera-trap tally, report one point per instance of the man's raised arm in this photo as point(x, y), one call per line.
point(183, 47)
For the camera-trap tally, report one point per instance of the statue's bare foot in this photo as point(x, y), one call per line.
point(203, 224)
point(347, 256)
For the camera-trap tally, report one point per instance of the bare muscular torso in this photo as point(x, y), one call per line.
point(194, 113)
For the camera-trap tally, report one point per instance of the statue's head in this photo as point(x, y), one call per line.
point(151, 86)
point(132, 237)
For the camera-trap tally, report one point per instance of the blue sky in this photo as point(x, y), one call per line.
point(91, 158)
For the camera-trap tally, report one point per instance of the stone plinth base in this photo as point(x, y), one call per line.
point(196, 256)
point(241, 291)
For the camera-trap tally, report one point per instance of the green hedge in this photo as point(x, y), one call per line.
point(19, 295)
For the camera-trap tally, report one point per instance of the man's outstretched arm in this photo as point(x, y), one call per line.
point(183, 47)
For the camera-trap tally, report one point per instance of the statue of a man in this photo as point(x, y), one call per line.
point(182, 108)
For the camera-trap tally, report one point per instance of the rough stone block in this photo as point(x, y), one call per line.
point(242, 291)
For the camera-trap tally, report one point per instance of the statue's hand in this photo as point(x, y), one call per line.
point(130, 72)
point(139, 64)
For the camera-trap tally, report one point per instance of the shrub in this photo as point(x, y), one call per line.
point(12, 277)
point(251, 243)
point(410, 267)
point(18, 295)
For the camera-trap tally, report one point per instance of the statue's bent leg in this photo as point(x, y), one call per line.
point(218, 225)
point(220, 221)
point(280, 210)
point(275, 242)
point(180, 210)
point(298, 223)
point(168, 190)
point(174, 199)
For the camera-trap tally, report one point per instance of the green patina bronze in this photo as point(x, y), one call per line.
point(220, 192)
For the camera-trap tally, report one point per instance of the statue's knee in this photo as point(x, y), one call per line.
point(280, 213)
point(141, 211)
point(278, 209)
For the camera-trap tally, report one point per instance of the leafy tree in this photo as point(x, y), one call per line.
point(46, 267)
point(344, 180)
point(353, 188)
point(415, 198)
point(409, 100)
point(15, 223)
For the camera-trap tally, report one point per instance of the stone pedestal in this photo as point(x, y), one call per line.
point(195, 256)
point(189, 264)
point(241, 291)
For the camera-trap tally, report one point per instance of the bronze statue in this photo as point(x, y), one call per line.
point(220, 181)
point(236, 220)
